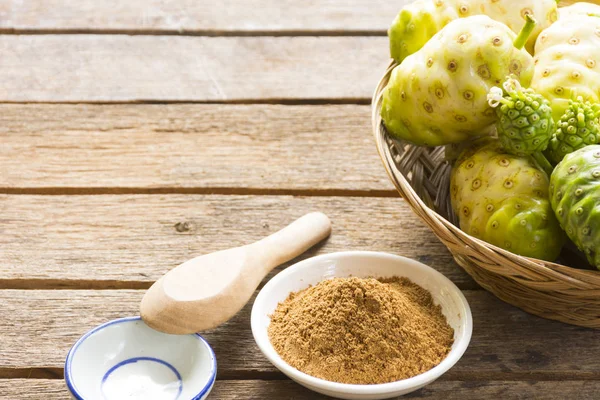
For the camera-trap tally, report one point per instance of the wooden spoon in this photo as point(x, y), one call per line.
point(206, 291)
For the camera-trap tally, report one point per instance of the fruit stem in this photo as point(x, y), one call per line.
point(530, 23)
point(543, 162)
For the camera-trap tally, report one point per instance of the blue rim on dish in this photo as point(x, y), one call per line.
point(69, 360)
point(150, 359)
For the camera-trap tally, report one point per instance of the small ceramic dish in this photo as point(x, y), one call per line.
point(362, 264)
point(125, 359)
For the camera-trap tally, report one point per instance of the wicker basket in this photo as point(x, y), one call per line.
point(549, 290)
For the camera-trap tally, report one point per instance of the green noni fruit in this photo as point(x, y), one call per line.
point(503, 199)
point(577, 128)
point(575, 198)
point(525, 123)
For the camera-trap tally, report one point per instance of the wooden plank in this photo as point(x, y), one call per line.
point(202, 17)
point(91, 68)
point(202, 146)
point(55, 389)
point(507, 343)
point(123, 240)
point(199, 16)
point(31, 389)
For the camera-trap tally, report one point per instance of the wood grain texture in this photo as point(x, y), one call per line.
point(91, 68)
point(507, 343)
point(200, 16)
point(202, 146)
point(137, 238)
point(55, 389)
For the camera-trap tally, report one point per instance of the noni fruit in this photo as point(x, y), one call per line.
point(579, 8)
point(577, 128)
point(419, 21)
point(525, 125)
point(575, 198)
point(567, 60)
point(439, 94)
point(503, 199)
point(525, 122)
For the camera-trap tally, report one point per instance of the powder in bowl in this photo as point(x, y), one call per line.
point(361, 331)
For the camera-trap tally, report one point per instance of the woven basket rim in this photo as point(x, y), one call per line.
point(583, 279)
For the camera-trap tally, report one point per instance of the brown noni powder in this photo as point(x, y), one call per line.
point(362, 331)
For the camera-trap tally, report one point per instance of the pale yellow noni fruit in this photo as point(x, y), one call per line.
point(439, 94)
point(567, 58)
point(579, 8)
point(418, 21)
point(512, 14)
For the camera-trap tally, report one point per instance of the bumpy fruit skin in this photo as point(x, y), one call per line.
point(567, 59)
point(577, 128)
point(419, 21)
point(439, 94)
point(503, 200)
point(525, 123)
point(575, 198)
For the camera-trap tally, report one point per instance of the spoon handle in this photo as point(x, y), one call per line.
point(292, 240)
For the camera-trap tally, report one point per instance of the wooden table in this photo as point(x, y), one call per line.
point(137, 134)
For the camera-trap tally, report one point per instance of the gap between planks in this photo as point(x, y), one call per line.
point(231, 191)
point(58, 373)
point(450, 376)
point(306, 101)
point(200, 32)
point(90, 284)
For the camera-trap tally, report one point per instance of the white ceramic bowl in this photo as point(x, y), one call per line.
point(125, 359)
point(362, 264)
